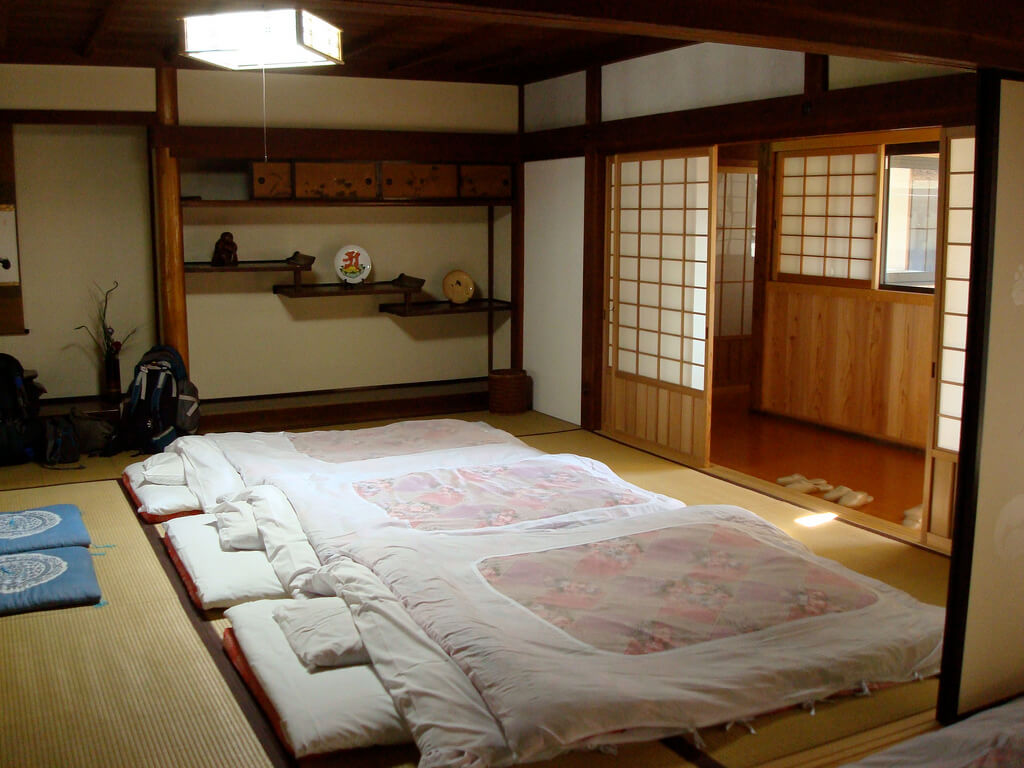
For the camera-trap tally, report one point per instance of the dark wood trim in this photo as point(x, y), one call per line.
point(518, 269)
point(276, 417)
point(76, 117)
point(892, 30)
point(7, 196)
point(815, 74)
point(594, 195)
point(331, 144)
point(103, 23)
point(12, 309)
point(764, 237)
point(976, 359)
point(948, 100)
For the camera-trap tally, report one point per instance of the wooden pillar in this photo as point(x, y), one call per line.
point(764, 240)
point(518, 253)
point(594, 303)
point(172, 316)
point(815, 74)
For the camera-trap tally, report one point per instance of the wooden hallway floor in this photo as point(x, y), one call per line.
point(769, 447)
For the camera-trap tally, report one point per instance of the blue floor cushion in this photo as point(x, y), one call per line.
point(56, 525)
point(47, 578)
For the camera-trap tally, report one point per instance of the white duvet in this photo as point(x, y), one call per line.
point(517, 605)
point(197, 472)
point(595, 624)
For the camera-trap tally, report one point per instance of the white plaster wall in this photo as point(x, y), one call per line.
point(244, 340)
point(83, 222)
point(209, 97)
point(41, 86)
point(847, 72)
point(553, 303)
point(697, 76)
point(993, 666)
point(556, 103)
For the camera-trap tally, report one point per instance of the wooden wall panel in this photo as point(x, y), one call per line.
point(733, 360)
point(848, 358)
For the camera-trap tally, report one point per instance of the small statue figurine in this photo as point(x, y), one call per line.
point(225, 252)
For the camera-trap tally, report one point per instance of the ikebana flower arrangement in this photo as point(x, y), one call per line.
point(109, 345)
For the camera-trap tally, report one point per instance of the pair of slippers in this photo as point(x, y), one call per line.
point(840, 494)
point(801, 484)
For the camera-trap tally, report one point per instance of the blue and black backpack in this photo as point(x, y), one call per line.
point(161, 404)
point(17, 414)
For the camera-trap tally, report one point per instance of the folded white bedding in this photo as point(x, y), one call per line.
point(159, 499)
point(220, 578)
point(625, 628)
point(321, 632)
point(208, 473)
point(286, 546)
point(322, 711)
point(236, 523)
point(163, 469)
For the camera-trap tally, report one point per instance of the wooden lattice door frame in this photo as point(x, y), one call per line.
point(660, 265)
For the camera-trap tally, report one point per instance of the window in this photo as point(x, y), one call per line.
point(910, 215)
point(828, 202)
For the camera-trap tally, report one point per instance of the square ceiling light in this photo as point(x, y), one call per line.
point(262, 39)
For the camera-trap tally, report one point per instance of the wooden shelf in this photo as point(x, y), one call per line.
point(313, 290)
point(420, 308)
point(324, 203)
point(247, 266)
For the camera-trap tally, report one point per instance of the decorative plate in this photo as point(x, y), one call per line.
point(458, 286)
point(352, 264)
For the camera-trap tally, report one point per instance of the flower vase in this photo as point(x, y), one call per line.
point(110, 390)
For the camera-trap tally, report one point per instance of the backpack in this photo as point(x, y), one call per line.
point(16, 442)
point(61, 442)
point(161, 403)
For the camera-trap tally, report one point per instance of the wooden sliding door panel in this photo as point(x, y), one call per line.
point(661, 300)
point(953, 275)
point(848, 358)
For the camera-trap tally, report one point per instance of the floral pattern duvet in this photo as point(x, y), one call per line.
point(545, 638)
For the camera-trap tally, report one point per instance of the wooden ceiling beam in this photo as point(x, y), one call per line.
point(110, 13)
point(951, 32)
point(450, 46)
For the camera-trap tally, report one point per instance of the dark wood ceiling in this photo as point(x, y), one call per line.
point(380, 39)
point(522, 41)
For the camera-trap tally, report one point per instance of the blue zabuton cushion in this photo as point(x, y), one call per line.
point(47, 578)
point(56, 525)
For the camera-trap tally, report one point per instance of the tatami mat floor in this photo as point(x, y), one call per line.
point(132, 683)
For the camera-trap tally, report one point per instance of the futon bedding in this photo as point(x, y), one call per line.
point(197, 472)
point(991, 739)
point(515, 605)
point(314, 712)
point(615, 630)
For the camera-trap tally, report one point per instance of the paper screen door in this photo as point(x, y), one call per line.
point(661, 238)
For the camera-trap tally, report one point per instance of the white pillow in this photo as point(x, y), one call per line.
point(164, 469)
point(207, 472)
point(236, 524)
point(321, 632)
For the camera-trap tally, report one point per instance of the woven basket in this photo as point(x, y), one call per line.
point(510, 391)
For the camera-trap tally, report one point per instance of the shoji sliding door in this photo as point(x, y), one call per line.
point(661, 244)
point(953, 273)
